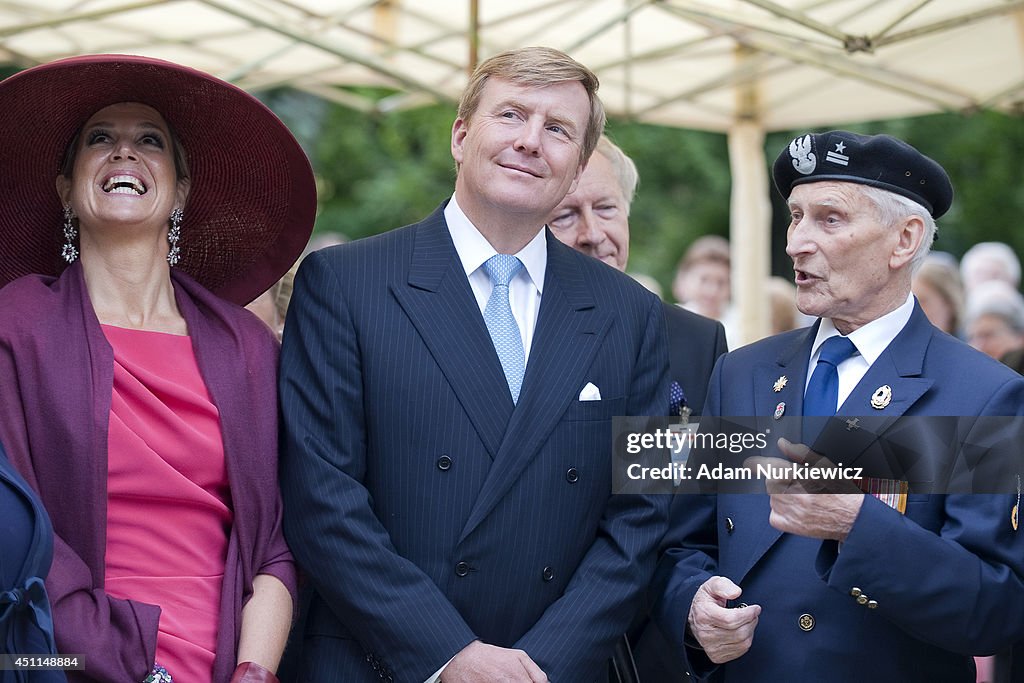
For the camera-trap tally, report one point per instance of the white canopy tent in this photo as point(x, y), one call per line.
point(742, 67)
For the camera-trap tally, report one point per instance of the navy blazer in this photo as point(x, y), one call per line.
point(26, 626)
point(426, 508)
point(694, 344)
point(946, 579)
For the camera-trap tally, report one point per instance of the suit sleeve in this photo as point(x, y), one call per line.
point(574, 637)
point(384, 600)
point(975, 604)
point(721, 345)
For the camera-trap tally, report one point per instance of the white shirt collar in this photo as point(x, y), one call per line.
point(474, 249)
point(870, 339)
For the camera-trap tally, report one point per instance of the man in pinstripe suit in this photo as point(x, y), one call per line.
point(454, 513)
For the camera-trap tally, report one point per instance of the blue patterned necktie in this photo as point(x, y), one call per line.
point(501, 324)
point(822, 396)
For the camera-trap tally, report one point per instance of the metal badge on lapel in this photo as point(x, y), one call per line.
point(780, 384)
point(882, 397)
point(780, 409)
point(1015, 512)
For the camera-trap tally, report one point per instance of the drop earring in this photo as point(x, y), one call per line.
point(173, 237)
point(69, 252)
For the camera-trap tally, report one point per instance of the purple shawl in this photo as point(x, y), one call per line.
point(56, 380)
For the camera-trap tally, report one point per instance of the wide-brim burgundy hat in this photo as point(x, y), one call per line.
point(252, 200)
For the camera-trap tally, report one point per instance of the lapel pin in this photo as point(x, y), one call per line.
point(780, 409)
point(853, 424)
point(780, 384)
point(1015, 512)
point(882, 397)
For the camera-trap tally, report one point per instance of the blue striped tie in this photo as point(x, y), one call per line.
point(501, 324)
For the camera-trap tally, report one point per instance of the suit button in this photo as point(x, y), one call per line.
point(872, 604)
point(444, 463)
point(806, 622)
point(729, 526)
point(572, 476)
point(855, 592)
point(547, 574)
point(461, 569)
point(862, 599)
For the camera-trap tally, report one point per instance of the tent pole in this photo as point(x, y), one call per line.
point(750, 230)
point(749, 215)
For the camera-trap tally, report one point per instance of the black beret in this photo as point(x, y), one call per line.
point(875, 160)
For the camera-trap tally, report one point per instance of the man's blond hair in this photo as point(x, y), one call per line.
point(536, 67)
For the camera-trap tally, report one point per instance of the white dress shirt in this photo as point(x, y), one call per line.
point(524, 290)
point(870, 340)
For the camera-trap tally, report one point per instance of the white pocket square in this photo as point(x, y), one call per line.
point(590, 393)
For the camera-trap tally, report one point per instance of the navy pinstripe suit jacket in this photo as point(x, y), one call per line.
point(428, 510)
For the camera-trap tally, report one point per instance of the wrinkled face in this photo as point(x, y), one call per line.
point(124, 170)
point(519, 152)
point(991, 335)
point(705, 287)
point(592, 218)
point(843, 256)
point(934, 305)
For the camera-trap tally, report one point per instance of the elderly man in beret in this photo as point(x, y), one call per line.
point(849, 586)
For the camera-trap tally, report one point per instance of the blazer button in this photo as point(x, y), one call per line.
point(444, 463)
point(572, 476)
point(806, 622)
point(729, 526)
point(461, 569)
point(855, 592)
point(862, 599)
point(872, 604)
point(547, 574)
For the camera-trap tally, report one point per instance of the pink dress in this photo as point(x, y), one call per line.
point(168, 505)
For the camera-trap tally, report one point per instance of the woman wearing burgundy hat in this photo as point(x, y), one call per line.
point(143, 203)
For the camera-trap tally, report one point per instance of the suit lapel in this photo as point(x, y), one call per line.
point(899, 367)
point(789, 369)
point(440, 303)
point(787, 374)
point(569, 332)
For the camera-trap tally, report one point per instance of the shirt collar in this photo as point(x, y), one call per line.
point(474, 249)
point(870, 339)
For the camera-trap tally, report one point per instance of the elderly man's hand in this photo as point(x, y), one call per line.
point(724, 633)
point(482, 663)
point(816, 508)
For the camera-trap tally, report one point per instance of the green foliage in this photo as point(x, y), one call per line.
point(376, 172)
point(683, 193)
